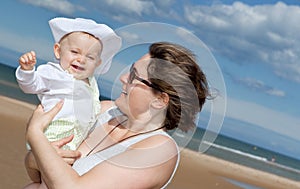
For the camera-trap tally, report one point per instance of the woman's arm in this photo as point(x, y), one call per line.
point(68, 156)
point(52, 167)
point(146, 166)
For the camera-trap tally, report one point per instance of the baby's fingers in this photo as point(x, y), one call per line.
point(69, 156)
point(70, 161)
point(23, 59)
point(28, 58)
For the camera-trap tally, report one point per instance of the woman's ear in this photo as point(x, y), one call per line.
point(56, 49)
point(161, 101)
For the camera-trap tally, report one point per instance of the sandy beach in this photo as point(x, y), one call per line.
point(195, 170)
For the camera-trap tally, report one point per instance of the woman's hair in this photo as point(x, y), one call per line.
point(173, 70)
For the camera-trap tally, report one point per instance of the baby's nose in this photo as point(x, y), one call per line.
point(80, 59)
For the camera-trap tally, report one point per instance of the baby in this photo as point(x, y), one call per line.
point(84, 48)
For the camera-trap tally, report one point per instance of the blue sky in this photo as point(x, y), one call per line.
point(256, 45)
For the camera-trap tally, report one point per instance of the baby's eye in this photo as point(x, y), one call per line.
point(91, 57)
point(74, 51)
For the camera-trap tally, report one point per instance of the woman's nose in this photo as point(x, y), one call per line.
point(124, 78)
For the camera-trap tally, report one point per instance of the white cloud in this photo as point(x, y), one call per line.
point(132, 11)
point(130, 6)
point(260, 33)
point(264, 117)
point(60, 6)
point(257, 85)
point(164, 3)
point(188, 36)
point(130, 37)
point(276, 92)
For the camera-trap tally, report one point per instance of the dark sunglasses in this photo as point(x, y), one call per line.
point(132, 76)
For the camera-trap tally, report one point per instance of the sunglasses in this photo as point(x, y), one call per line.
point(132, 76)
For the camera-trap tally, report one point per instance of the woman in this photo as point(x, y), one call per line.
point(164, 90)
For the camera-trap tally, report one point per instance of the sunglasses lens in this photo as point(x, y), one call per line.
point(131, 76)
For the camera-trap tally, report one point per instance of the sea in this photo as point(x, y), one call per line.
point(223, 147)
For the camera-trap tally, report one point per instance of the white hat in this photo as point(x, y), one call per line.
point(110, 40)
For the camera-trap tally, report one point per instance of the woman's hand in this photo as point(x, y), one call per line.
point(69, 156)
point(41, 119)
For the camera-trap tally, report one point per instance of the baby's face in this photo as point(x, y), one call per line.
point(80, 54)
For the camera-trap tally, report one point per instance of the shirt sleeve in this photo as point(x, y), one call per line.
point(30, 81)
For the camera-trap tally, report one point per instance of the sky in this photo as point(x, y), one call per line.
point(250, 50)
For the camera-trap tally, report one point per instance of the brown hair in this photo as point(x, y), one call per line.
point(173, 70)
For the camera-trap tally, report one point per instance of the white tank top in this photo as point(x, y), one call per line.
point(83, 165)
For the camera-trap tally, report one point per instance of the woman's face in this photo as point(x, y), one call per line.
point(136, 97)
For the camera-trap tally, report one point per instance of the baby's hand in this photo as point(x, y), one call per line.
point(27, 61)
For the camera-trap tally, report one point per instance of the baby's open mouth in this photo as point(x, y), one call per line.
point(77, 67)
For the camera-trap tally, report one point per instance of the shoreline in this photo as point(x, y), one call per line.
point(195, 170)
point(224, 170)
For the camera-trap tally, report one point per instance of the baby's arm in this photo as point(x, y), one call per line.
point(32, 168)
point(29, 80)
point(27, 61)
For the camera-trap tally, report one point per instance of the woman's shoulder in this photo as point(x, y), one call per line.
point(106, 104)
point(159, 141)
